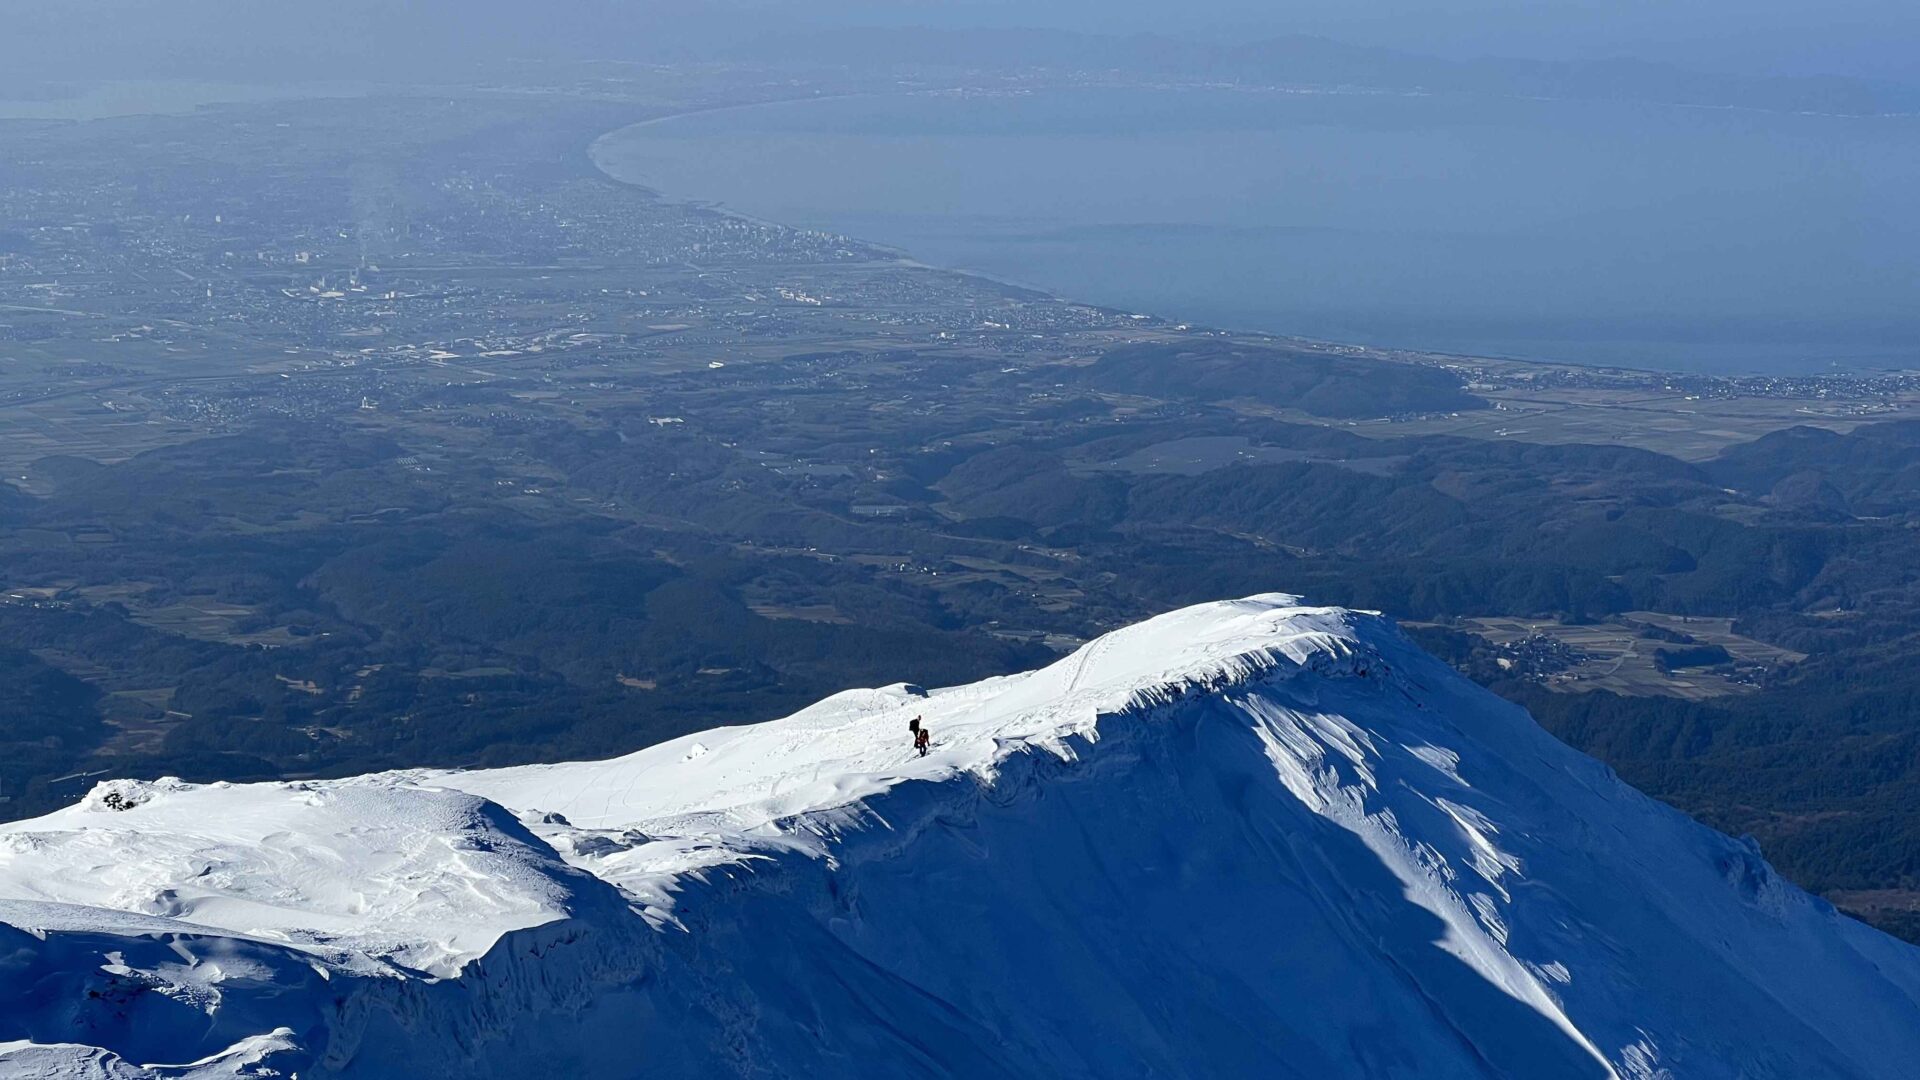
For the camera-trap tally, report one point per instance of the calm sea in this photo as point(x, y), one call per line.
point(1654, 236)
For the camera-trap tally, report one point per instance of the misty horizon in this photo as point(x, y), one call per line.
point(230, 40)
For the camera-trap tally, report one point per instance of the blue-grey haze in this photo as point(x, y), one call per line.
point(1604, 232)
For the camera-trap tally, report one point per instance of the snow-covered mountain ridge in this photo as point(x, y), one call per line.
point(1246, 838)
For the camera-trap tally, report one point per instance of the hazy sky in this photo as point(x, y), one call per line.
point(257, 39)
point(1880, 38)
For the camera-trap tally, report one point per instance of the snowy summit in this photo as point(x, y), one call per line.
point(1248, 838)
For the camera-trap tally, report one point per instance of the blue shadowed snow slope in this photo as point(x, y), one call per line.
point(1247, 838)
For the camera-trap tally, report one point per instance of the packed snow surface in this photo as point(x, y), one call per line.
point(1245, 838)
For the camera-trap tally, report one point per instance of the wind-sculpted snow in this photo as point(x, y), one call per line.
point(423, 878)
point(1243, 839)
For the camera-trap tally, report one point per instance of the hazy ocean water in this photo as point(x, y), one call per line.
point(1598, 232)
